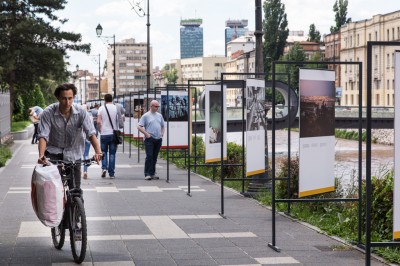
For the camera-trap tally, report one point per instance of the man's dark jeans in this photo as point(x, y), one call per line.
point(152, 146)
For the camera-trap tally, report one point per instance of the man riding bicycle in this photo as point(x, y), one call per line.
point(61, 129)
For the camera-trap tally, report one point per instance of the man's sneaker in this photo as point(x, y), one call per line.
point(103, 173)
point(112, 176)
point(85, 175)
point(155, 177)
point(78, 234)
point(148, 178)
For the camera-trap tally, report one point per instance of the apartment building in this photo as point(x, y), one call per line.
point(131, 66)
point(354, 38)
point(201, 68)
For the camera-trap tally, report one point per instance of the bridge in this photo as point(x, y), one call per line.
point(345, 117)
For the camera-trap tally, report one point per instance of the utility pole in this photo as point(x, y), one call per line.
point(258, 33)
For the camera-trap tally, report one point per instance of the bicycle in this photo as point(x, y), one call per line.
point(74, 217)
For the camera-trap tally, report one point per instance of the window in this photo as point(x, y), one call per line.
point(387, 34)
point(352, 99)
point(358, 39)
point(387, 85)
point(369, 37)
point(376, 35)
point(388, 103)
point(377, 99)
point(387, 61)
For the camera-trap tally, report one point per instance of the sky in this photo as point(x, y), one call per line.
point(118, 18)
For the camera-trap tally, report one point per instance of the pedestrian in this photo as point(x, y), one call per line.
point(151, 125)
point(94, 110)
point(107, 122)
point(121, 114)
point(34, 115)
point(87, 145)
point(61, 130)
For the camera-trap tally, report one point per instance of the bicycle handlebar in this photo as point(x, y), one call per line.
point(71, 163)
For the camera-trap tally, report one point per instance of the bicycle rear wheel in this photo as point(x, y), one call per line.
point(58, 235)
point(78, 230)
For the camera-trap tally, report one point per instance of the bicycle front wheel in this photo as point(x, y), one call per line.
point(58, 235)
point(78, 230)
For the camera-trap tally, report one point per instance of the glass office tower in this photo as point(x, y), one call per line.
point(191, 38)
point(235, 29)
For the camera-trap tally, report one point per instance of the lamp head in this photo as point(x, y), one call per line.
point(99, 30)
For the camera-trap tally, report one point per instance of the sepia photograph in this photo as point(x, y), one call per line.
point(175, 107)
point(317, 108)
point(255, 111)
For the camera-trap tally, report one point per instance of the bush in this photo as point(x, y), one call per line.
point(5, 154)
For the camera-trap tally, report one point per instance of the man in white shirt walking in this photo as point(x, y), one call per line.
point(107, 122)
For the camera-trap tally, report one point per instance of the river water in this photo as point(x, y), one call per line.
point(346, 153)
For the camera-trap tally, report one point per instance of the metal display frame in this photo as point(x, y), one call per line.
point(368, 243)
point(272, 244)
point(177, 87)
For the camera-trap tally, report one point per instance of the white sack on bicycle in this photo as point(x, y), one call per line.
point(47, 194)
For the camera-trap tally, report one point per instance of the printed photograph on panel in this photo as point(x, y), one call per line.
point(255, 111)
point(317, 108)
point(215, 117)
point(175, 107)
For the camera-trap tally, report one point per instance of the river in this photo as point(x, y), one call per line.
point(346, 153)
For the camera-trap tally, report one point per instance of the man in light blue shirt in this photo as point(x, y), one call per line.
point(61, 129)
point(151, 125)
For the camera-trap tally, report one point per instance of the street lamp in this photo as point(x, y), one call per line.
point(140, 12)
point(99, 30)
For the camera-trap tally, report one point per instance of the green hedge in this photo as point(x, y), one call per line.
point(5, 154)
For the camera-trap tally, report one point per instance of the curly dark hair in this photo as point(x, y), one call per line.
point(65, 87)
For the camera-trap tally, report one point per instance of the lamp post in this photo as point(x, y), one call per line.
point(99, 75)
point(99, 30)
point(80, 84)
point(140, 12)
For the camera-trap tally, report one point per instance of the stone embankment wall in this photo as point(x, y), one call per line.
point(382, 136)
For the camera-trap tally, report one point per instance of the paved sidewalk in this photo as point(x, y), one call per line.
point(136, 222)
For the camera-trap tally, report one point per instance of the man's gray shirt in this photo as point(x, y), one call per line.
point(152, 122)
point(65, 136)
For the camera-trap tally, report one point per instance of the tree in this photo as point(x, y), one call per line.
point(32, 47)
point(275, 31)
point(313, 34)
point(340, 9)
point(170, 73)
point(296, 53)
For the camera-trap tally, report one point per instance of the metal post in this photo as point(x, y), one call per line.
point(148, 46)
point(259, 33)
point(85, 85)
point(115, 71)
point(99, 78)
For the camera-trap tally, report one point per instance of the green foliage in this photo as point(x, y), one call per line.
point(278, 96)
point(5, 154)
point(170, 73)
point(282, 185)
point(341, 218)
point(275, 27)
point(340, 9)
point(313, 34)
point(296, 53)
point(19, 109)
point(33, 45)
point(20, 125)
point(352, 135)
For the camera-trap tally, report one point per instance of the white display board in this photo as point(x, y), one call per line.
point(317, 132)
point(255, 126)
point(175, 110)
point(213, 123)
point(396, 187)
